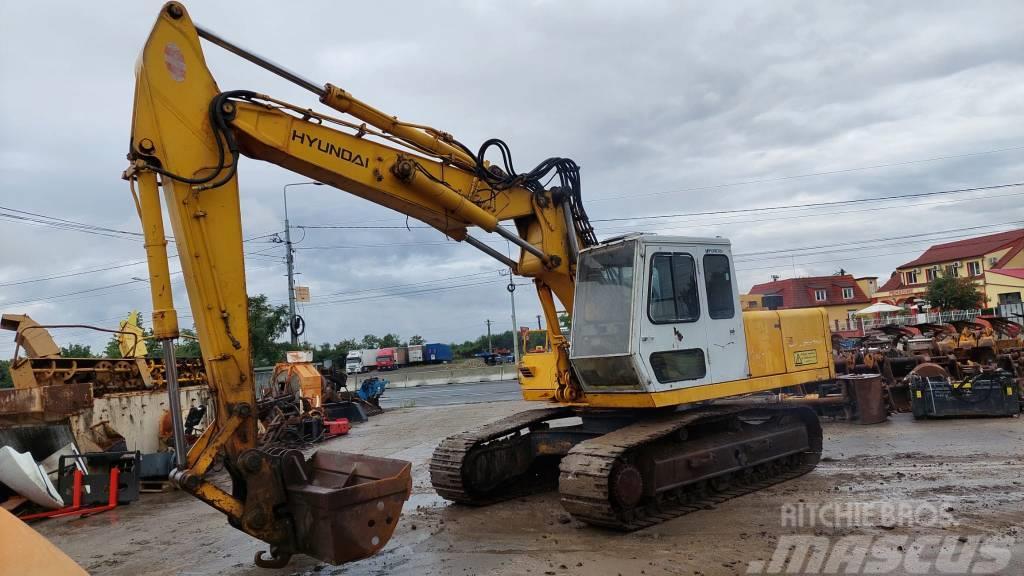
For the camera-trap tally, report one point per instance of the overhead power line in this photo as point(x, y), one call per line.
point(809, 204)
point(92, 290)
point(105, 267)
point(359, 227)
point(71, 274)
point(434, 280)
point(406, 293)
point(791, 215)
point(874, 240)
point(806, 175)
point(15, 214)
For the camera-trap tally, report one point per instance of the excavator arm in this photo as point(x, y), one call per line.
point(187, 138)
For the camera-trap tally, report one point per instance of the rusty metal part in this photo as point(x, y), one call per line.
point(346, 506)
point(46, 403)
point(335, 507)
point(687, 460)
point(868, 391)
point(37, 342)
point(1004, 327)
point(44, 366)
point(930, 370)
point(107, 375)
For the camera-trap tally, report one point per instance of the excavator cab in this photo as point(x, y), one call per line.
point(657, 313)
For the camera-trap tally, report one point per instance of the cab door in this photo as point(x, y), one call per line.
point(673, 341)
point(727, 344)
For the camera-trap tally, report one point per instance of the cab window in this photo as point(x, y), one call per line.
point(718, 281)
point(673, 296)
point(679, 365)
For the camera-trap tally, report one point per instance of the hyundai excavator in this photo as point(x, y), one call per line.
point(640, 422)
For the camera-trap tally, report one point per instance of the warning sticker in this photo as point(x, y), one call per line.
point(805, 357)
point(175, 61)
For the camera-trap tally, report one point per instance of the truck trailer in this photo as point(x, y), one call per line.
point(392, 358)
point(416, 354)
point(437, 353)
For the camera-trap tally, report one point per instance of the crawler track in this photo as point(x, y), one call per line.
point(447, 463)
point(586, 483)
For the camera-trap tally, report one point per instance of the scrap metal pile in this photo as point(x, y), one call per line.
point(931, 369)
point(43, 366)
point(304, 405)
point(962, 355)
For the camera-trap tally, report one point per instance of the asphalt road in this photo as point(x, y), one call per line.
point(452, 394)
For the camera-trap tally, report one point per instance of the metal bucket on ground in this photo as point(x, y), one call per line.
point(345, 506)
point(868, 392)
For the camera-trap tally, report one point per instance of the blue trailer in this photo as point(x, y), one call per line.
point(437, 353)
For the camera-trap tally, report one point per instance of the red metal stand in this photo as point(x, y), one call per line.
point(76, 502)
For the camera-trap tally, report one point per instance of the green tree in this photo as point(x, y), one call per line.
point(390, 341)
point(5, 374)
point(187, 346)
point(76, 351)
point(334, 352)
point(565, 321)
point(469, 348)
point(950, 293)
point(416, 340)
point(369, 341)
point(113, 349)
point(266, 324)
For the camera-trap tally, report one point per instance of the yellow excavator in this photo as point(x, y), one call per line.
point(629, 433)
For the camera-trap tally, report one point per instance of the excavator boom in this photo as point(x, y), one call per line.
point(187, 140)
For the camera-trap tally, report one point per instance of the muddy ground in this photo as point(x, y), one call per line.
point(969, 470)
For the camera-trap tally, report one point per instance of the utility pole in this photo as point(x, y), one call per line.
point(293, 328)
point(490, 347)
point(290, 261)
point(515, 324)
point(539, 327)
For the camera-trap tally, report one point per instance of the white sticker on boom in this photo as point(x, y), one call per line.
point(175, 61)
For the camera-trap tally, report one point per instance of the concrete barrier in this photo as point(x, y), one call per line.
point(410, 378)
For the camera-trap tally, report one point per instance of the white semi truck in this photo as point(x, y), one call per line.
point(359, 361)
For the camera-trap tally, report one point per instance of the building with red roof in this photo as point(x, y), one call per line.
point(839, 295)
point(992, 261)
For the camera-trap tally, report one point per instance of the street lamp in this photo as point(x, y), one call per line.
point(293, 328)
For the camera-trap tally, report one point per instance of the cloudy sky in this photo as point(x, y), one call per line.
point(670, 108)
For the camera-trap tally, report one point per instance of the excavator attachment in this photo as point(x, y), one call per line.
point(336, 507)
point(346, 506)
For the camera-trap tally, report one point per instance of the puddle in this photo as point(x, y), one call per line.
point(421, 500)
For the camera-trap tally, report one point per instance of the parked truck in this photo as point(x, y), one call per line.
point(392, 358)
point(359, 361)
point(437, 353)
point(416, 354)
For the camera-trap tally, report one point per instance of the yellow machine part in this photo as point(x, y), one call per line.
point(800, 338)
point(130, 341)
point(35, 340)
point(302, 376)
point(784, 348)
point(25, 551)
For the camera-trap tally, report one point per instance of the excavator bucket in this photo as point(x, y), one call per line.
point(345, 506)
